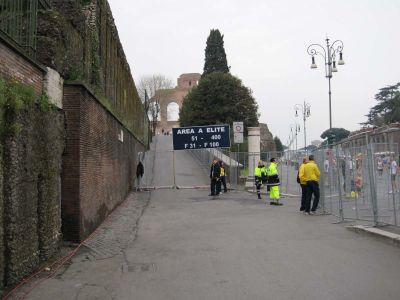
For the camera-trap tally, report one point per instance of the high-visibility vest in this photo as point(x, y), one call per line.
point(259, 171)
point(272, 169)
point(222, 171)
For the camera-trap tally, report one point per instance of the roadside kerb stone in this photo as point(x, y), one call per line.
point(386, 236)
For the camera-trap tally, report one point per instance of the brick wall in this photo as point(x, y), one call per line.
point(15, 65)
point(79, 40)
point(185, 83)
point(30, 165)
point(98, 168)
point(2, 260)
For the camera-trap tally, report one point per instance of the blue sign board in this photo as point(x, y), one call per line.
point(201, 137)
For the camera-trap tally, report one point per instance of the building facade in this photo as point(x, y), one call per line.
point(171, 102)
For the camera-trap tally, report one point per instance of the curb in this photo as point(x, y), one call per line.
point(383, 235)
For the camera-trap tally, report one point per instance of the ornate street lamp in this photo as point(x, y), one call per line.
point(305, 109)
point(295, 129)
point(329, 54)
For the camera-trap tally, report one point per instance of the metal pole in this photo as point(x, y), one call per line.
point(330, 103)
point(371, 173)
point(173, 168)
point(329, 82)
point(305, 131)
point(341, 213)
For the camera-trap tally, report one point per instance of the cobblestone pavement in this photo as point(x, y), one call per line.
point(120, 228)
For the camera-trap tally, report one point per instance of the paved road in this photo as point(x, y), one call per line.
point(189, 246)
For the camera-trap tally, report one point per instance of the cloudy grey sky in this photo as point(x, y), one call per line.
point(266, 42)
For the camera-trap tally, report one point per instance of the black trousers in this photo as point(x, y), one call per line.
point(214, 186)
point(258, 186)
point(312, 189)
point(223, 182)
point(303, 196)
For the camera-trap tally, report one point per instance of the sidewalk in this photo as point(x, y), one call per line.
point(104, 249)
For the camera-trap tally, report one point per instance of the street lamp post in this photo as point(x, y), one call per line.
point(305, 109)
point(295, 129)
point(329, 55)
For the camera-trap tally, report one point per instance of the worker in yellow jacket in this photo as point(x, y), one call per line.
point(311, 175)
point(303, 184)
point(260, 175)
point(273, 182)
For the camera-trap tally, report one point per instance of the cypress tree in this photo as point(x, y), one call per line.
point(215, 56)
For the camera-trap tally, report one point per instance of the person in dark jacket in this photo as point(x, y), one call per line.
point(215, 173)
point(139, 175)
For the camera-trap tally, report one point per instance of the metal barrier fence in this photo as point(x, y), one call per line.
point(18, 22)
point(355, 184)
point(358, 183)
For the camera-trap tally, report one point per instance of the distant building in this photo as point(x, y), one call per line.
point(171, 104)
point(387, 134)
point(267, 143)
point(316, 143)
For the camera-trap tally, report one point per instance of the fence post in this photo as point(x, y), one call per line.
point(371, 173)
point(393, 190)
point(341, 213)
point(320, 162)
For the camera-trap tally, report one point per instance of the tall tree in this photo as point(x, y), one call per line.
point(335, 135)
point(278, 144)
point(220, 98)
point(152, 89)
point(215, 56)
point(388, 108)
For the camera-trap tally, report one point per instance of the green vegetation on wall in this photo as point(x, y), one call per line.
point(95, 59)
point(15, 96)
point(79, 39)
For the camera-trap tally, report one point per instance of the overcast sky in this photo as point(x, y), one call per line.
point(266, 42)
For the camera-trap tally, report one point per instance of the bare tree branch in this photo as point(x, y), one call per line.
point(152, 89)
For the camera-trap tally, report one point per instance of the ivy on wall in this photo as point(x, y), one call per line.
point(15, 96)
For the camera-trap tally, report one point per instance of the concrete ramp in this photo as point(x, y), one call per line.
point(176, 167)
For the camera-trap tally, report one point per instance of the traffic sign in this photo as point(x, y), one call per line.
point(238, 132)
point(201, 137)
point(238, 137)
point(238, 127)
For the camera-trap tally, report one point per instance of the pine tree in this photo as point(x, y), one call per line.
point(388, 108)
point(215, 57)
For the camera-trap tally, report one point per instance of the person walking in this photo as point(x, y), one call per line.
point(303, 184)
point(311, 176)
point(222, 177)
point(273, 182)
point(215, 173)
point(260, 177)
point(393, 174)
point(380, 166)
point(139, 175)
